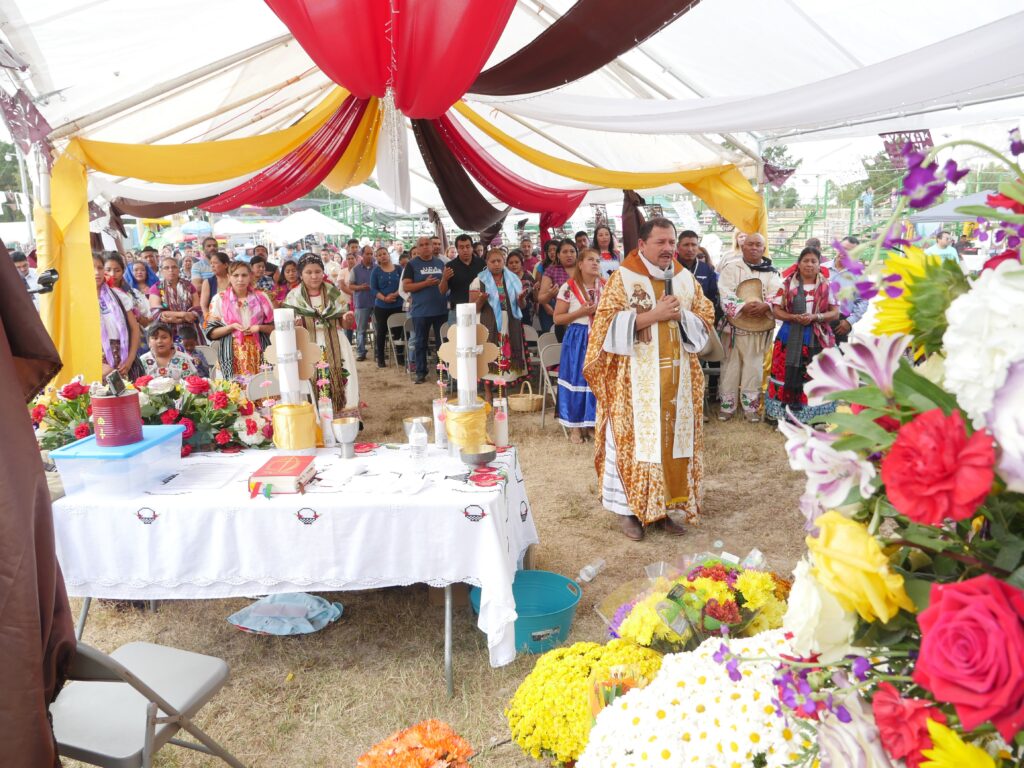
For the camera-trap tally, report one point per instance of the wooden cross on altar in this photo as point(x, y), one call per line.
point(309, 352)
point(488, 353)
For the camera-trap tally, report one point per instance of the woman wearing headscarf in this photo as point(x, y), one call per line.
point(173, 300)
point(140, 276)
point(805, 307)
point(322, 312)
point(499, 299)
point(241, 320)
point(119, 332)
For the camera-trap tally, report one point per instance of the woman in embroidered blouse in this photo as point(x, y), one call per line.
point(575, 308)
point(216, 284)
point(119, 333)
point(288, 282)
point(499, 297)
point(113, 267)
point(173, 300)
point(241, 320)
point(553, 279)
point(163, 359)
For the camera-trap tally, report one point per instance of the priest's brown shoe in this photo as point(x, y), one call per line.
point(631, 528)
point(671, 527)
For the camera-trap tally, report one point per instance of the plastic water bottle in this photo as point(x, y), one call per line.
point(589, 571)
point(418, 442)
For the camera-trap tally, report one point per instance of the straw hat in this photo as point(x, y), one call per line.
point(751, 290)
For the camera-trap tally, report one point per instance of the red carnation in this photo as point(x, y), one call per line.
point(268, 431)
point(73, 390)
point(1004, 201)
point(143, 381)
point(251, 428)
point(246, 408)
point(186, 450)
point(903, 723)
point(972, 652)
point(38, 413)
point(223, 437)
point(999, 258)
point(888, 423)
point(170, 416)
point(219, 400)
point(190, 428)
point(82, 430)
point(935, 472)
point(196, 385)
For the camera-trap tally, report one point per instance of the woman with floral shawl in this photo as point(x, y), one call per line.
point(173, 301)
point(241, 319)
point(499, 297)
point(322, 312)
point(805, 307)
point(119, 331)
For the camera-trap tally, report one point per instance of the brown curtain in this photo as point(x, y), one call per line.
point(487, 236)
point(586, 37)
point(435, 219)
point(146, 210)
point(464, 202)
point(37, 640)
point(632, 218)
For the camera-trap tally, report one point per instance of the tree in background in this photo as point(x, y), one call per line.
point(10, 181)
point(881, 176)
point(786, 197)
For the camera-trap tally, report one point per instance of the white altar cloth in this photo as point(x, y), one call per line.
point(398, 523)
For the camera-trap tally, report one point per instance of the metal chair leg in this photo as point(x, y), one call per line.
point(82, 616)
point(448, 678)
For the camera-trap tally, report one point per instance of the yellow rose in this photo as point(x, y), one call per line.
point(850, 564)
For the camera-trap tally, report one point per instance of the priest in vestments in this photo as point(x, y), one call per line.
point(642, 366)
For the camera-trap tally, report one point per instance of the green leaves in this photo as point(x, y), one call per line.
point(920, 394)
point(862, 425)
point(919, 591)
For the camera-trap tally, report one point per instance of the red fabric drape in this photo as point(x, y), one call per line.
point(557, 204)
point(440, 46)
point(298, 172)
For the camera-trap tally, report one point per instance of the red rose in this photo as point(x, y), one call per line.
point(903, 723)
point(999, 258)
point(82, 430)
point(197, 385)
point(143, 381)
point(972, 652)
point(190, 428)
point(73, 390)
point(219, 400)
point(251, 428)
point(88, 409)
point(223, 437)
point(170, 416)
point(186, 450)
point(934, 472)
point(268, 431)
point(38, 413)
point(1004, 201)
point(888, 423)
point(246, 408)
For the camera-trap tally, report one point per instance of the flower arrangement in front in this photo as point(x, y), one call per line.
point(907, 616)
point(550, 714)
point(697, 712)
point(429, 744)
point(711, 597)
point(215, 414)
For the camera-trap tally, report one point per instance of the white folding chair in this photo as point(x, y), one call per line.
point(544, 340)
point(262, 386)
point(530, 340)
point(208, 353)
point(126, 706)
point(550, 358)
point(396, 322)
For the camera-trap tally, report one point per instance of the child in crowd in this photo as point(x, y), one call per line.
point(163, 359)
point(190, 340)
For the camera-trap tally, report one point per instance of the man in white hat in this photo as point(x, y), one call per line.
point(750, 314)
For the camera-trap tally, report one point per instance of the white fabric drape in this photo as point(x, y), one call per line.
point(967, 68)
point(393, 159)
point(159, 193)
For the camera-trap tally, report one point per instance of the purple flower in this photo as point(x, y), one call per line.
point(733, 666)
point(722, 654)
point(923, 185)
point(861, 668)
point(876, 356)
point(619, 617)
point(829, 372)
point(1016, 145)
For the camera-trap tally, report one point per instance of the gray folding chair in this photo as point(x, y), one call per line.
point(126, 706)
point(530, 338)
point(544, 340)
point(550, 358)
point(396, 322)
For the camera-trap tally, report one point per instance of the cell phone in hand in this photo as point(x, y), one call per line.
point(115, 384)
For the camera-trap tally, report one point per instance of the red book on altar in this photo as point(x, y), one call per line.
point(282, 474)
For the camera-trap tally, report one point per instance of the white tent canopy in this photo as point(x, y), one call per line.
point(152, 73)
point(296, 226)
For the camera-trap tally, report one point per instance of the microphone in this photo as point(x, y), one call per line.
point(45, 280)
point(668, 275)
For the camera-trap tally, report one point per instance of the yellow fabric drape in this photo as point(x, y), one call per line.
point(722, 187)
point(202, 162)
point(356, 165)
point(71, 312)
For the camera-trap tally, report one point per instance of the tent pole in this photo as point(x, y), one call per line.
point(217, 67)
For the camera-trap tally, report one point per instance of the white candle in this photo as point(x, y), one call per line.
point(466, 351)
point(500, 423)
point(287, 355)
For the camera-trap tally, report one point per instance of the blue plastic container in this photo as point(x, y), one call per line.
point(123, 470)
point(546, 603)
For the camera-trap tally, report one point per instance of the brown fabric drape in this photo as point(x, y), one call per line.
point(435, 219)
point(589, 35)
point(146, 210)
point(464, 202)
point(37, 640)
point(632, 218)
point(487, 236)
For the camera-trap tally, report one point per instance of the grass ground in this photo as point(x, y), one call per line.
point(322, 700)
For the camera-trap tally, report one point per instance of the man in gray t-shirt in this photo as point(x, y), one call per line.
point(421, 279)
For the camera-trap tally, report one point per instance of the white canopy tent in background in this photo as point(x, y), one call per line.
point(164, 71)
point(296, 226)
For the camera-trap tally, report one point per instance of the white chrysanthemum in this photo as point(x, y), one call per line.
point(984, 338)
point(693, 714)
point(161, 385)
